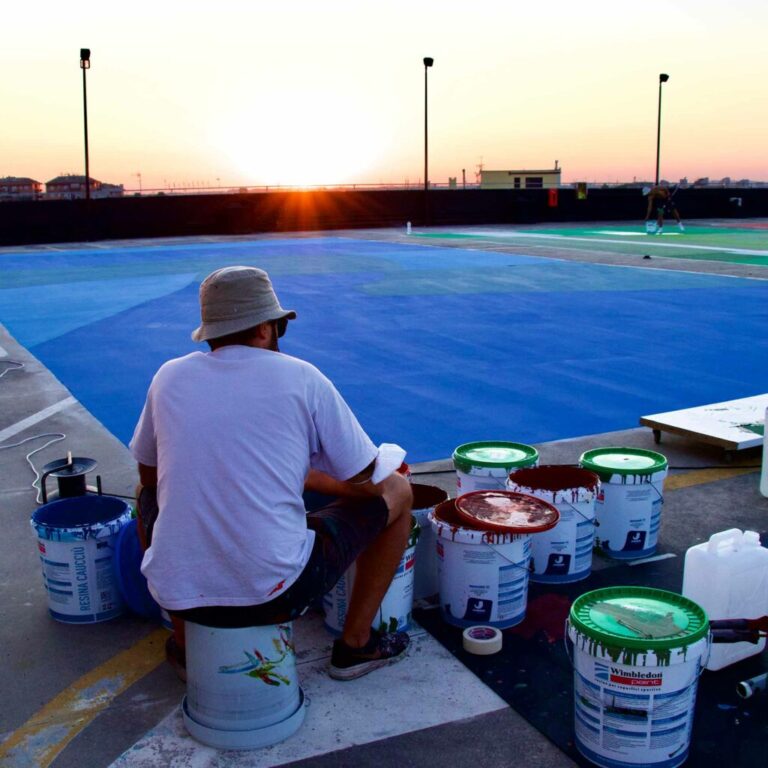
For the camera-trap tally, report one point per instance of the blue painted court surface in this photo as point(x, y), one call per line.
point(432, 347)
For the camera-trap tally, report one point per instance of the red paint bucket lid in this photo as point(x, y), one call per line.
point(506, 512)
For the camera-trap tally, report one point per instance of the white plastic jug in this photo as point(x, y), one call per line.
point(728, 577)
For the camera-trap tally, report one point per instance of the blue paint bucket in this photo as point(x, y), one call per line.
point(130, 580)
point(76, 540)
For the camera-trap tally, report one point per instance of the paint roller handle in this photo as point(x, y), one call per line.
point(754, 625)
point(736, 636)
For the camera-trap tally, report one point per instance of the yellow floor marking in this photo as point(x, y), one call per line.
point(701, 476)
point(37, 743)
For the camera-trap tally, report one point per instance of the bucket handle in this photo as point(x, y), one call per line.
point(593, 521)
point(526, 568)
point(567, 643)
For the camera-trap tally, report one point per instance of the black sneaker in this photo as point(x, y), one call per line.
point(382, 649)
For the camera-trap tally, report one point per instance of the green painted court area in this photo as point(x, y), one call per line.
point(734, 245)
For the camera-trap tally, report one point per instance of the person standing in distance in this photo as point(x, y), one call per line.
point(661, 198)
point(229, 437)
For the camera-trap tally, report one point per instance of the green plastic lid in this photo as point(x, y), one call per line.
point(639, 618)
point(494, 454)
point(622, 461)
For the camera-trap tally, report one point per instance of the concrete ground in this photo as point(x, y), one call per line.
point(101, 694)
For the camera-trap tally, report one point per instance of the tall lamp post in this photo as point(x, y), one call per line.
point(662, 79)
point(85, 63)
point(428, 62)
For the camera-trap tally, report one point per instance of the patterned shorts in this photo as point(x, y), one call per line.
point(343, 529)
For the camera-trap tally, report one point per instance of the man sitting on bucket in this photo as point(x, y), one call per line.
point(228, 437)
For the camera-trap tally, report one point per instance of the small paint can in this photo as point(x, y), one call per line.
point(485, 465)
point(628, 506)
point(76, 540)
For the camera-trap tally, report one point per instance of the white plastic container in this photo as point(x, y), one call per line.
point(728, 577)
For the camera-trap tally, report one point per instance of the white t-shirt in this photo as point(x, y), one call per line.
point(233, 434)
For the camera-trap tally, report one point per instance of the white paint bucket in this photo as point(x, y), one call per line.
point(425, 582)
point(242, 688)
point(485, 466)
point(483, 574)
point(637, 657)
point(628, 506)
point(394, 613)
point(76, 540)
point(564, 553)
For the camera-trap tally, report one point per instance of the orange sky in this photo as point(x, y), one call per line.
point(254, 92)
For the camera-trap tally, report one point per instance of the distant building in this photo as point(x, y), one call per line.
point(546, 179)
point(72, 187)
point(19, 188)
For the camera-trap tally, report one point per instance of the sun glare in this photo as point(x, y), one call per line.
point(303, 139)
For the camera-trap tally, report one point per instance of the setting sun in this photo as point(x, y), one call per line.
point(301, 139)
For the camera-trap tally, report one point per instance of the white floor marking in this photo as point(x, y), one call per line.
point(652, 559)
point(631, 234)
point(35, 418)
point(651, 243)
point(428, 688)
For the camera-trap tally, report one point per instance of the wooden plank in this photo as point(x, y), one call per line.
point(732, 424)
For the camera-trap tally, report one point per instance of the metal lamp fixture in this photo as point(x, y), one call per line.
point(85, 63)
point(662, 79)
point(428, 62)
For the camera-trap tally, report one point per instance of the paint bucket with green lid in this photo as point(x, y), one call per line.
point(485, 466)
point(628, 507)
point(637, 656)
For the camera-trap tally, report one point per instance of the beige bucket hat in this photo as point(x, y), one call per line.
point(235, 298)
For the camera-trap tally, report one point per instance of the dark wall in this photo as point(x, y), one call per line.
point(226, 214)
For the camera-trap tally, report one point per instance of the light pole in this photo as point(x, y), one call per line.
point(85, 63)
point(428, 62)
point(662, 79)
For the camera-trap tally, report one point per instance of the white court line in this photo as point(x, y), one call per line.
point(650, 244)
point(652, 559)
point(35, 418)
